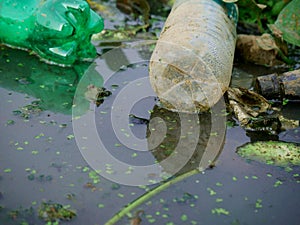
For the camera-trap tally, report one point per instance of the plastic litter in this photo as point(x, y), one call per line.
point(191, 66)
point(59, 31)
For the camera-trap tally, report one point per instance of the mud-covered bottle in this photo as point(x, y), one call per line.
point(59, 31)
point(191, 66)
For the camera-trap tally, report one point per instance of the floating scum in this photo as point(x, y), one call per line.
point(190, 68)
point(271, 152)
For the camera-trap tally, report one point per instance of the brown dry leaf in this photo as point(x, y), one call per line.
point(136, 220)
point(246, 104)
point(261, 50)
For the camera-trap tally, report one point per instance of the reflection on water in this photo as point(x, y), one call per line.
point(186, 138)
point(143, 143)
point(54, 86)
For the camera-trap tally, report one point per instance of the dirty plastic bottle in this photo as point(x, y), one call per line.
point(190, 68)
point(59, 31)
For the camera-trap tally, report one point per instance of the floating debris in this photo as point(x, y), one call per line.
point(54, 212)
point(137, 120)
point(184, 217)
point(28, 111)
point(10, 122)
point(186, 198)
point(248, 107)
point(20, 214)
point(115, 186)
point(97, 94)
point(70, 196)
point(271, 152)
point(258, 204)
point(44, 178)
point(7, 170)
point(220, 211)
point(278, 183)
point(136, 220)
point(91, 186)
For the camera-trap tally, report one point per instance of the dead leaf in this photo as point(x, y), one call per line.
point(136, 220)
point(246, 104)
point(261, 50)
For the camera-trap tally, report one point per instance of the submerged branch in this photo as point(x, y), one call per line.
point(148, 195)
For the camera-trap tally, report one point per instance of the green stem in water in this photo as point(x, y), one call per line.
point(148, 195)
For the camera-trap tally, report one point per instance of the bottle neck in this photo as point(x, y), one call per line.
point(231, 9)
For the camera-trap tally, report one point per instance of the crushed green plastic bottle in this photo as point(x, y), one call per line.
point(59, 31)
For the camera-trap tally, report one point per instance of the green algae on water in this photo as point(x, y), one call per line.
point(271, 152)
